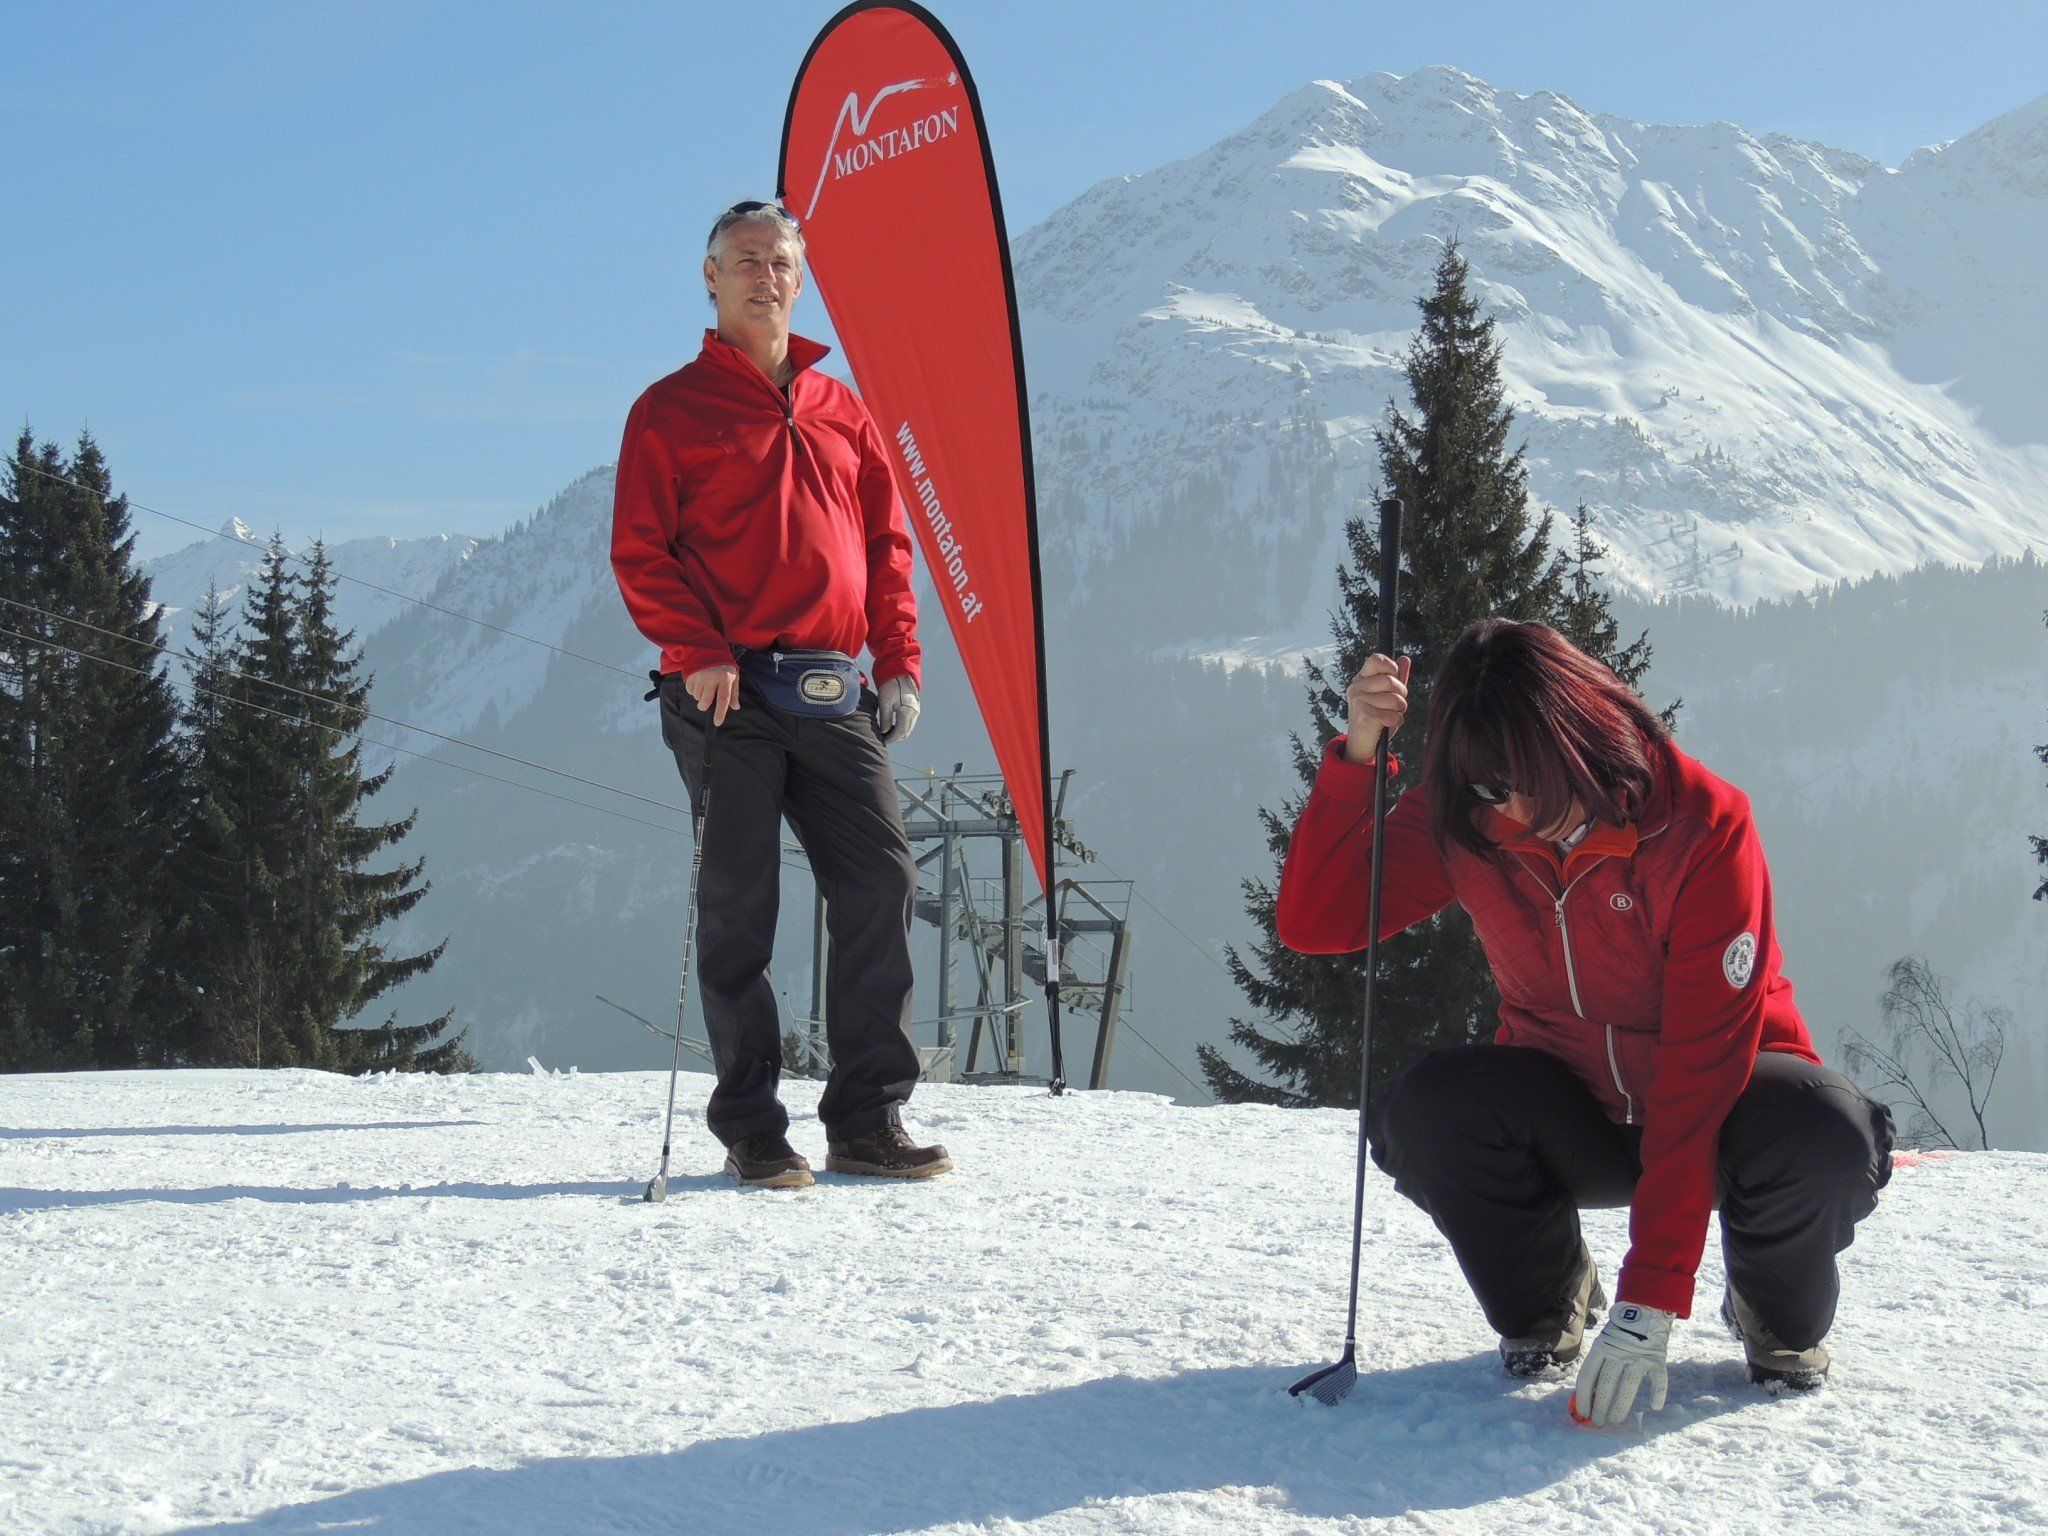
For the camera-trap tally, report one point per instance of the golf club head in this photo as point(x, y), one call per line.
point(1332, 1384)
point(657, 1190)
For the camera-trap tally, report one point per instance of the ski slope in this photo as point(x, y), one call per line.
point(294, 1303)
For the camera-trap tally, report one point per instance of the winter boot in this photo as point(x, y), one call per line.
point(1555, 1338)
point(887, 1154)
point(1770, 1362)
point(767, 1161)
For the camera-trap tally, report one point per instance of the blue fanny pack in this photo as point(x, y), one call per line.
point(803, 682)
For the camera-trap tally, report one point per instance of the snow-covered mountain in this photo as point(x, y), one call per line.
point(1762, 362)
point(232, 556)
point(1704, 332)
point(285, 1303)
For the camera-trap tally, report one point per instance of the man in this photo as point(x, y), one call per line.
point(755, 516)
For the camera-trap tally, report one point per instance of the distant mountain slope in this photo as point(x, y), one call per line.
point(229, 559)
point(1699, 325)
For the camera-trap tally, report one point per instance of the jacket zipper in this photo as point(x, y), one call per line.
point(1571, 976)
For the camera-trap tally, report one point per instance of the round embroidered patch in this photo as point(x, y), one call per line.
point(1621, 901)
point(1739, 960)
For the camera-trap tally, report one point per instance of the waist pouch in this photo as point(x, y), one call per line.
point(804, 682)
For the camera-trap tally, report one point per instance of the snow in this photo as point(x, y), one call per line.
point(290, 1302)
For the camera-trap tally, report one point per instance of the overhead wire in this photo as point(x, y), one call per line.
point(228, 698)
point(221, 533)
point(358, 709)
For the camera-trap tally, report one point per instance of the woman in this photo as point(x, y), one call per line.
point(1649, 1052)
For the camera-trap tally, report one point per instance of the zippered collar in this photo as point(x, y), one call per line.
point(803, 355)
point(1601, 841)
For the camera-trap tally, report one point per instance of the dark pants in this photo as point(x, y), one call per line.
point(1502, 1145)
point(831, 779)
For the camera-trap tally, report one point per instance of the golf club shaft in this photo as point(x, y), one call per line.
point(702, 810)
point(1390, 581)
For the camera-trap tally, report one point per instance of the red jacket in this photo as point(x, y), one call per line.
point(743, 518)
point(1646, 961)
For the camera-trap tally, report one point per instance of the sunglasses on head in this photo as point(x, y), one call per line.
point(756, 205)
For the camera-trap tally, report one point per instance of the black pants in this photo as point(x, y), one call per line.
point(831, 778)
point(1502, 1145)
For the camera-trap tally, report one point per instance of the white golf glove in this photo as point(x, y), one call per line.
point(1629, 1352)
point(899, 709)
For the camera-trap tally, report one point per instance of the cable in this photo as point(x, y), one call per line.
point(358, 709)
point(1204, 1092)
point(602, 810)
point(341, 575)
point(1192, 942)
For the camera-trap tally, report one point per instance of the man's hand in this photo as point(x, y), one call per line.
point(716, 689)
point(1629, 1351)
point(899, 709)
point(1376, 700)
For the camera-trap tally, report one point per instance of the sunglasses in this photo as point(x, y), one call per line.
point(754, 205)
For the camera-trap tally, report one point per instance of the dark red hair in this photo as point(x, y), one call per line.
point(1520, 706)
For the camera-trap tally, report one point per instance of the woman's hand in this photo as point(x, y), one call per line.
point(1376, 701)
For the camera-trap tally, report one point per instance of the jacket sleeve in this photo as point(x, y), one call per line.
point(646, 521)
point(891, 605)
point(1325, 901)
point(1715, 994)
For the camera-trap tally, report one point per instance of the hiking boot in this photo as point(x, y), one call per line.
point(767, 1161)
point(887, 1154)
point(1771, 1363)
point(1556, 1337)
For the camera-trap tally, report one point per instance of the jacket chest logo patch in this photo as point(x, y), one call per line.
point(1738, 961)
point(1621, 901)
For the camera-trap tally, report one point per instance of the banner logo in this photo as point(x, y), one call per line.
point(943, 537)
point(862, 150)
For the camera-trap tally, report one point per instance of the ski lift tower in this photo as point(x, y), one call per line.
point(972, 875)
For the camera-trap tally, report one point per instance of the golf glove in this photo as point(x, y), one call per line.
point(899, 709)
point(1629, 1352)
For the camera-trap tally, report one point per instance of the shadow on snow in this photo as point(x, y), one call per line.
point(66, 1133)
point(1446, 1435)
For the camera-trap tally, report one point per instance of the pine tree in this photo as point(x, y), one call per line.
point(1471, 549)
point(224, 970)
point(92, 781)
point(2041, 843)
point(340, 902)
point(1586, 620)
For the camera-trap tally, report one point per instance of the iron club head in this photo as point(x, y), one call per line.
point(1333, 1383)
point(657, 1190)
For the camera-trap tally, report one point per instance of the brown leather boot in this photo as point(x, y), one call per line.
point(767, 1161)
point(1771, 1363)
point(1555, 1338)
point(886, 1154)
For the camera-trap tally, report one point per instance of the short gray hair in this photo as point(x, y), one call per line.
point(752, 212)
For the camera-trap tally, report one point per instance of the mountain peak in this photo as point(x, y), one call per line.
point(235, 528)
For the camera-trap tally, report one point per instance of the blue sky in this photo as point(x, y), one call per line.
point(378, 268)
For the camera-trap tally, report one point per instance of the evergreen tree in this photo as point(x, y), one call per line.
point(1586, 620)
point(225, 972)
point(1471, 549)
point(92, 781)
point(340, 902)
point(2041, 843)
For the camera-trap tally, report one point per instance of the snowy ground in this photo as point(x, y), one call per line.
point(290, 1303)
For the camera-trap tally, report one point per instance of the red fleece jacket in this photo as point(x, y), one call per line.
point(1646, 960)
point(741, 517)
